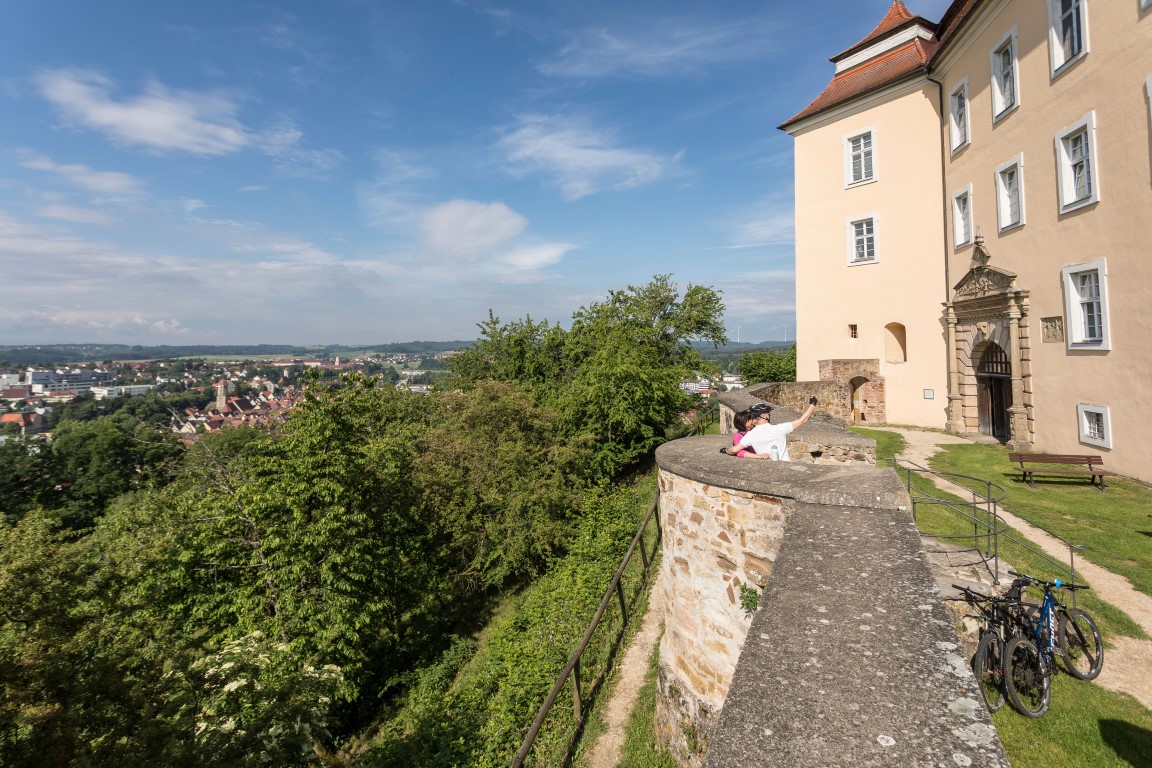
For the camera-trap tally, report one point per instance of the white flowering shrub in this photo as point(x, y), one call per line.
point(258, 704)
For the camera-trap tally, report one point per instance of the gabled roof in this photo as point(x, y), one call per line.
point(898, 16)
point(911, 43)
point(875, 73)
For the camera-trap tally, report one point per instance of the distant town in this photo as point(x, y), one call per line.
point(234, 393)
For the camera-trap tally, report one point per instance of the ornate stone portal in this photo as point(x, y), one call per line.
point(988, 319)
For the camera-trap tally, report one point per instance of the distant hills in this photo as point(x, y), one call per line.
point(51, 354)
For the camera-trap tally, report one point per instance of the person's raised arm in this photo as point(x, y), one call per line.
point(806, 415)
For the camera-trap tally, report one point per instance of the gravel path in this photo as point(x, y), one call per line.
point(1127, 665)
point(605, 753)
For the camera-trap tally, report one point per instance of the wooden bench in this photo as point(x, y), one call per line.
point(1093, 466)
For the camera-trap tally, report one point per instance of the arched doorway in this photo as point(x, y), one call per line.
point(859, 399)
point(994, 391)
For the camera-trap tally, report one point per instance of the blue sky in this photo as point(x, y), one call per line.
point(359, 171)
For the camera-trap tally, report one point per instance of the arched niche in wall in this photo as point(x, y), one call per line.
point(895, 343)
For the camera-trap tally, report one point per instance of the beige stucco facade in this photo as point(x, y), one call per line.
point(1014, 242)
point(1105, 90)
point(904, 284)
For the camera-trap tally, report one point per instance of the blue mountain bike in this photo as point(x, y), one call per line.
point(1053, 630)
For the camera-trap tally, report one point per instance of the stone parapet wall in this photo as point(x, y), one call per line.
point(716, 540)
point(833, 396)
point(723, 521)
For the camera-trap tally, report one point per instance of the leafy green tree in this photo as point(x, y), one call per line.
point(24, 477)
point(93, 462)
point(500, 481)
point(768, 366)
point(614, 376)
point(530, 353)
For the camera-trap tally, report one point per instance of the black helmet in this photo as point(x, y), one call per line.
point(758, 408)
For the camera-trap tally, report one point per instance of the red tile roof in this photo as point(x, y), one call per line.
point(898, 16)
point(875, 73)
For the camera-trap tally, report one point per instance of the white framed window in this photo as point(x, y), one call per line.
point(1095, 424)
point(1067, 32)
point(962, 217)
point(1086, 305)
point(1078, 172)
point(859, 158)
point(1010, 193)
point(862, 240)
point(958, 115)
point(1005, 76)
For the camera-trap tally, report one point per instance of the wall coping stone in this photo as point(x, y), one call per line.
point(853, 485)
point(851, 658)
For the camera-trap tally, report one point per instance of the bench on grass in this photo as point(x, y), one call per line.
point(1092, 466)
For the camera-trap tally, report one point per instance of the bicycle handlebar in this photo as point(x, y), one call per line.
point(1024, 578)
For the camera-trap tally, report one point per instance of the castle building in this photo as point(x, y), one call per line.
point(973, 201)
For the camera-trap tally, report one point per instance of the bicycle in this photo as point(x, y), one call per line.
point(1030, 657)
point(1001, 617)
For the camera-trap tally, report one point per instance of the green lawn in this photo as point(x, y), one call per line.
point(1087, 725)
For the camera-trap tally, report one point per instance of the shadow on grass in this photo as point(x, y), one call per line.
point(1132, 743)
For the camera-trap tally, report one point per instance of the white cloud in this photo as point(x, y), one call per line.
point(770, 221)
point(469, 229)
point(83, 177)
point(655, 48)
point(536, 256)
point(159, 119)
point(73, 214)
point(393, 196)
point(253, 188)
point(281, 142)
point(580, 158)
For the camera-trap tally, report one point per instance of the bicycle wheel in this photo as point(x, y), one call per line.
point(1026, 678)
point(1079, 641)
point(988, 665)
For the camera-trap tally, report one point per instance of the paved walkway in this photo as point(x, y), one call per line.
point(1128, 664)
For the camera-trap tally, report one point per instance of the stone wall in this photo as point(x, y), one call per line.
point(866, 375)
point(833, 396)
point(716, 540)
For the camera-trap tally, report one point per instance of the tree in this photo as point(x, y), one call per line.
point(614, 376)
point(93, 462)
point(768, 366)
point(501, 482)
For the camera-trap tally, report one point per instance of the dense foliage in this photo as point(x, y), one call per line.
point(260, 598)
point(769, 365)
point(614, 376)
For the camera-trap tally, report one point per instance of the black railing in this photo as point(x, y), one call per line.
point(982, 510)
point(572, 668)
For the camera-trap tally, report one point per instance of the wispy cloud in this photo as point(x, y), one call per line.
point(578, 157)
point(395, 193)
point(656, 48)
point(282, 143)
point(160, 119)
point(769, 221)
point(73, 214)
point(83, 177)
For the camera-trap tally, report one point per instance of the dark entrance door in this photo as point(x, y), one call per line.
point(994, 392)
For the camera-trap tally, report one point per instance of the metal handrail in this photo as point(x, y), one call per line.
point(573, 665)
point(985, 514)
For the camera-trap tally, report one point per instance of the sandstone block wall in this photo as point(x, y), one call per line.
point(715, 541)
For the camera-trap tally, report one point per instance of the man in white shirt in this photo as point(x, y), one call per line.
point(768, 440)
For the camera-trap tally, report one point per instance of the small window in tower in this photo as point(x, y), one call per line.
point(852, 332)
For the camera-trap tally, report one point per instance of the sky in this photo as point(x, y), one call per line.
point(372, 171)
